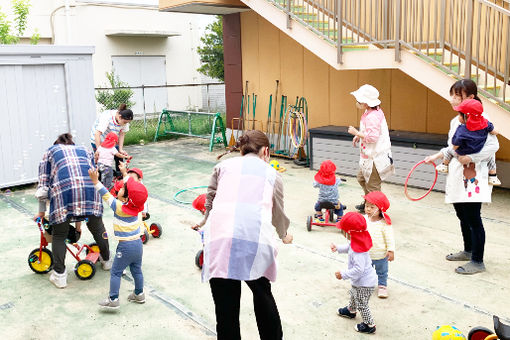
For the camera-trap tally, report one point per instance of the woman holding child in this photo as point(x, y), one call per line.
point(467, 184)
point(244, 205)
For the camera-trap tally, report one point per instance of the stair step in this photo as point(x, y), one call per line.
point(306, 16)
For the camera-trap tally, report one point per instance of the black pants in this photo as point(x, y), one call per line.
point(59, 235)
point(227, 295)
point(471, 225)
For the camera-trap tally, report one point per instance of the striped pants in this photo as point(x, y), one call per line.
point(359, 301)
point(491, 161)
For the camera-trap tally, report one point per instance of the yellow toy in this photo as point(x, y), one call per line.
point(447, 332)
point(276, 165)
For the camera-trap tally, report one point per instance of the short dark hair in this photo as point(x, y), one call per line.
point(65, 138)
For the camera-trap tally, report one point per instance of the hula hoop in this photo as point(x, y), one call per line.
point(297, 126)
point(184, 190)
point(409, 175)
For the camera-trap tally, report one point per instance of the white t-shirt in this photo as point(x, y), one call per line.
point(106, 123)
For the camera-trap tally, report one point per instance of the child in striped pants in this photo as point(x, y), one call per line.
point(359, 270)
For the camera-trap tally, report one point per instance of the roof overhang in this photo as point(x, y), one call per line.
point(140, 33)
point(216, 7)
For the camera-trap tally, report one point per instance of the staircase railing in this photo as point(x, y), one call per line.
point(464, 38)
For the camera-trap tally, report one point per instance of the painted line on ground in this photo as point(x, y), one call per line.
point(174, 305)
point(411, 285)
point(168, 302)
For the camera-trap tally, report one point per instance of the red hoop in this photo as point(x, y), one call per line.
point(409, 175)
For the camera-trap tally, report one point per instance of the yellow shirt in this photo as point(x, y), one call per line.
point(382, 238)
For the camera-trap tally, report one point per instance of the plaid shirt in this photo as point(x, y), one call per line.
point(63, 172)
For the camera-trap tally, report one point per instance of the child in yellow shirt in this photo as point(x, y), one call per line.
point(380, 229)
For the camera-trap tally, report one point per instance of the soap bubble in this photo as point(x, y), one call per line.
point(7, 192)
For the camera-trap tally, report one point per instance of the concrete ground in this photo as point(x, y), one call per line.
point(424, 289)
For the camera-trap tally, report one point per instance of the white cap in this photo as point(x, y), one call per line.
point(367, 94)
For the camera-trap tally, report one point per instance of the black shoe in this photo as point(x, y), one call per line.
point(360, 207)
point(346, 313)
point(364, 328)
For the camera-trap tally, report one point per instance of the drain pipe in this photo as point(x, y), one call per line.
point(68, 22)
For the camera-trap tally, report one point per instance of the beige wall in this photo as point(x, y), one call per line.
point(268, 54)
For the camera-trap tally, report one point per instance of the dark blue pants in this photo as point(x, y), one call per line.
point(128, 253)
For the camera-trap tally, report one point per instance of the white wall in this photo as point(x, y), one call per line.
point(89, 21)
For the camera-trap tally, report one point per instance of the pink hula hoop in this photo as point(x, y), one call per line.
point(409, 175)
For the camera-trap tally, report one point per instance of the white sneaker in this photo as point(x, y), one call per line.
point(106, 265)
point(140, 298)
point(442, 168)
point(494, 180)
point(59, 280)
point(109, 303)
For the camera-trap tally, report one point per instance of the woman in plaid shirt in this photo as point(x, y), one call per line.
point(63, 175)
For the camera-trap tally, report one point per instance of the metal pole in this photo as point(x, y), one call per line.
point(289, 18)
point(397, 30)
point(208, 99)
point(144, 110)
point(441, 33)
point(339, 21)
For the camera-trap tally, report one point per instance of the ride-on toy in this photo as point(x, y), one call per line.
point(328, 215)
point(199, 257)
point(482, 333)
point(153, 229)
point(40, 260)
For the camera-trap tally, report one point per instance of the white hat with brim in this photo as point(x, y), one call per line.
point(367, 94)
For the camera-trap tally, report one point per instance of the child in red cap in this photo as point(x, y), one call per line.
point(104, 158)
point(470, 137)
point(380, 229)
point(199, 204)
point(127, 226)
point(327, 183)
point(359, 270)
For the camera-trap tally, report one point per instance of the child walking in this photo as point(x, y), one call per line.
point(470, 137)
point(105, 154)
point(126, 225)
point(359, 270)
point(327, 183)
point(381, 231)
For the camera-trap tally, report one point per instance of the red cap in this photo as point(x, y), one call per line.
point(136, 171)
point(115, 189)
point(110, 140)
point(355, 225)
point(381, 201)
point(326, 173)
point(473, 109)
point(199, 202)
point(137, 195)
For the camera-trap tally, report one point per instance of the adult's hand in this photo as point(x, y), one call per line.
point(287, 239)
point(432, 158)
point(355, 141)
point(464, 159)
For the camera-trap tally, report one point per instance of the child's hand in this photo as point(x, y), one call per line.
point(94, 175)
point(39, 215)
point(390, 255)
point(77, 225)
point(338, 275)
point(333, 247)
point(464, 160)
point(355, 141)
point(196, 227)
point(122, 168)
point(352, 130)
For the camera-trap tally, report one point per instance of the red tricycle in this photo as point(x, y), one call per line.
point(40, 259)
point(328, 215)
point(482, 333)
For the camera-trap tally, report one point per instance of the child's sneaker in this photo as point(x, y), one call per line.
point(140, 298)
point(364, 328)
point(494, 180)
point(59, 280)
point(319, 218)
point(109, 303)
point(382, 292)
point(346, 313)
point(442, 168)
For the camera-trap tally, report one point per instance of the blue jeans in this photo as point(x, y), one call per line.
point(381, 268)
point(338, 212)
point(128, 253)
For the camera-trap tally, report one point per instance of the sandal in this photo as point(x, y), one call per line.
point(471, 268)
point(459, 256)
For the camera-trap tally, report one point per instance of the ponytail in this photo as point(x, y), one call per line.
point(124, 112)
point(250, 142)
point(465, 86)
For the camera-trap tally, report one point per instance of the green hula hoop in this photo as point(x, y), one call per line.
point(184, 190)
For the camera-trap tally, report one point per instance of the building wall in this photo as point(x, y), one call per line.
point(89, 22)
point(268, 54)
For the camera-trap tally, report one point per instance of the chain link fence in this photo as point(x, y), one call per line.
point(147, 103)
